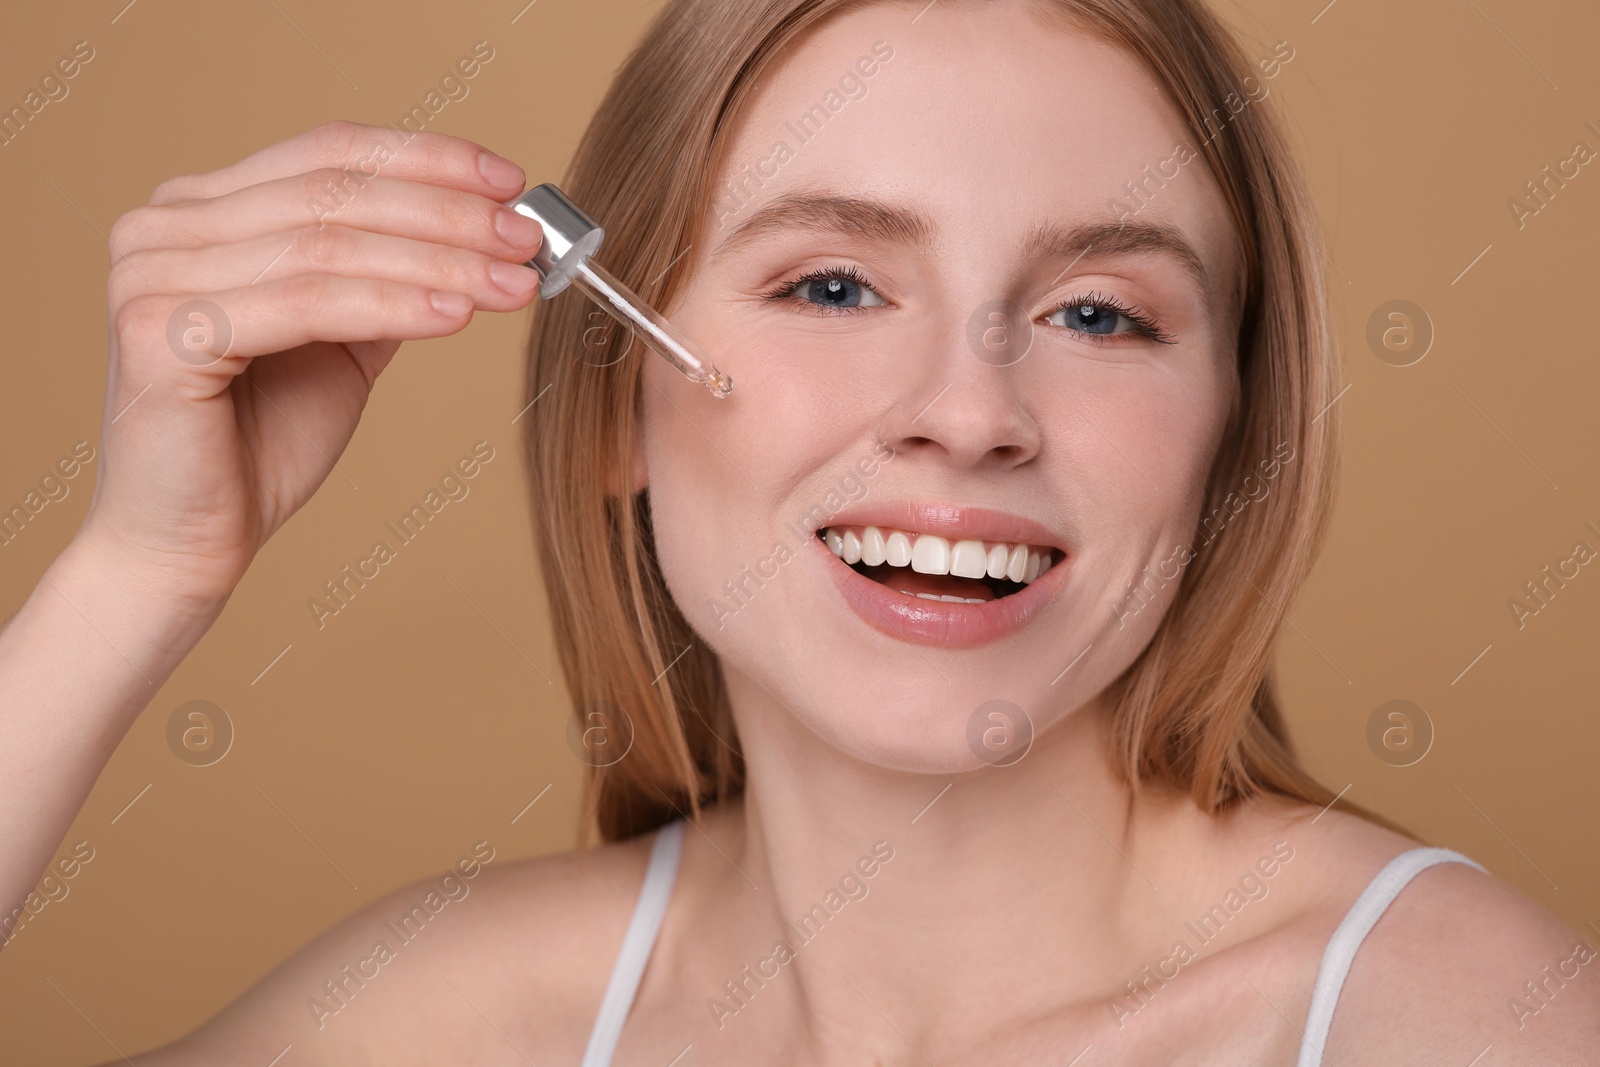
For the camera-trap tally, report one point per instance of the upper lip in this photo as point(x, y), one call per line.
point(954, 522)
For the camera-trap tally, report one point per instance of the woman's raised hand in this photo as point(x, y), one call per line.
point(251, 310)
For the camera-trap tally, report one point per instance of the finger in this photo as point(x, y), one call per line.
point(364, 149)
point(493, 284)
point(380, 205)
point(167, 333)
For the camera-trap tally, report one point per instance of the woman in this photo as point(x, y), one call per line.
point(925, 677)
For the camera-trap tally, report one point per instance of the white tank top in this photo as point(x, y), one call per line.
point(1336, 958)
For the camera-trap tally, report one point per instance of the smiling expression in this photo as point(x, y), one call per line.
point(966, 186)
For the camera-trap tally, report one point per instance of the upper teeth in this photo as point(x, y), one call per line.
point(932, 554)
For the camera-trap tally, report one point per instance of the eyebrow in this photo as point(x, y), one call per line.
point(895, 224)
point(1116, 239)
point(853, 215)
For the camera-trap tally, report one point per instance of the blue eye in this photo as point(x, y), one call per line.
point(841, 288)
point(1093, 316)
point(1098, 316)
point(1090, 318)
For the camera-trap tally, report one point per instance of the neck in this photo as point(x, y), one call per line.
point(894, 891)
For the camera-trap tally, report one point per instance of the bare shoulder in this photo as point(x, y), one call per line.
point(1460, 968)
point(487, 960)
point(1463, 963)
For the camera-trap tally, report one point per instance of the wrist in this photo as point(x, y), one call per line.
point(88, 650)
point(100, 555)
point(134, 606)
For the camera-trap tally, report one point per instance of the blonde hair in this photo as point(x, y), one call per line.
point(1197, 708)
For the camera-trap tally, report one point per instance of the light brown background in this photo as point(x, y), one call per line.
point(428, 714)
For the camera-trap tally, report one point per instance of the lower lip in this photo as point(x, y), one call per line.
point(939, 622)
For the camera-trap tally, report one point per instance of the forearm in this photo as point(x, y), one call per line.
point(79, 660)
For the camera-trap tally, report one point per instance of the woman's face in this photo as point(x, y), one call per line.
point(940, 300)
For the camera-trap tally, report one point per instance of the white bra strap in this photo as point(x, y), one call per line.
point(636, 944)
point(1341, 950)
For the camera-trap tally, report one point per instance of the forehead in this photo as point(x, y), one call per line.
point(986, 117)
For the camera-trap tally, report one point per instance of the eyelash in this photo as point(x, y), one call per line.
point(1143, 325)
point(821, 274)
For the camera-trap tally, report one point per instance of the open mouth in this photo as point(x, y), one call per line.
point(936, 568)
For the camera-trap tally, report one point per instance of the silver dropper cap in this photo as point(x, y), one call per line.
point(570, 239)
point(570, 236)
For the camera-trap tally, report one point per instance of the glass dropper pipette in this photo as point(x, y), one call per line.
point(570, 239)
point(651, 326)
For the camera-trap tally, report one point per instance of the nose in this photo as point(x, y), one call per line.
point(960, 408)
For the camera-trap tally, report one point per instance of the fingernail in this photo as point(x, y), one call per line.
point(514, 278)
point(501, 172)
point(517, 229)
point(453, 304)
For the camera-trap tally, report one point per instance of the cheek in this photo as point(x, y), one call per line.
point(1176, 438)
point(794, 408)
point(1147, 439)
point(721, 473)
point(685, 445)
point(1139, 443)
